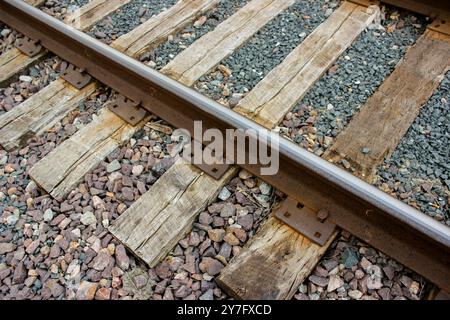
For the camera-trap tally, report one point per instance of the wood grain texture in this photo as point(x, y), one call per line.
point(285, 85)
point(272, 265)
point(13, 62)
point(163, 25)
point(385, 118)
point(153, 225)
point(73, 162)
point(216, 45)
point(65, 166)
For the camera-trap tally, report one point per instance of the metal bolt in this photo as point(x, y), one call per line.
point(322, 215)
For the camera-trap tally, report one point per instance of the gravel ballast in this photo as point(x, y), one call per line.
point(46, 71)
point(56, 8)
point(265, 50)
point(418, 172)
point(330, 104)
point(7, 38)
point(55, 250)
point(29, 82)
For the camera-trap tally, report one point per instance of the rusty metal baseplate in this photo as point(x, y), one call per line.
point(365, 3)
point(218, 167)
point(441, 24)
point(313, 225)
point(29, 46)
point(127, 109)
point(76, 77)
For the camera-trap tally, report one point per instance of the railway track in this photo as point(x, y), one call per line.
point(321, 198)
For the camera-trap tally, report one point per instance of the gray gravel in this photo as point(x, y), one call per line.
point(55, 250)
point(356, 75)
point(128, 18)
point(418, 172)
point(161, 55)
point(266, 49)
point(352, 270)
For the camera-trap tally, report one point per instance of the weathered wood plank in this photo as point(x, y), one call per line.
point(272, 265)
point(35, 3)
point(74, 164)
point(181, 14)
point(216, 45)
point(385, 118)
point(158, 244)
point(66, 165)
point(40, 98)
point(163, 216)
point(260, 254)
point(35, 116)
point(442, 295)
point(14, 62)
point(277, 93)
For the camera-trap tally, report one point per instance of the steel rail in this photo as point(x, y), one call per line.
point(398, 230)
